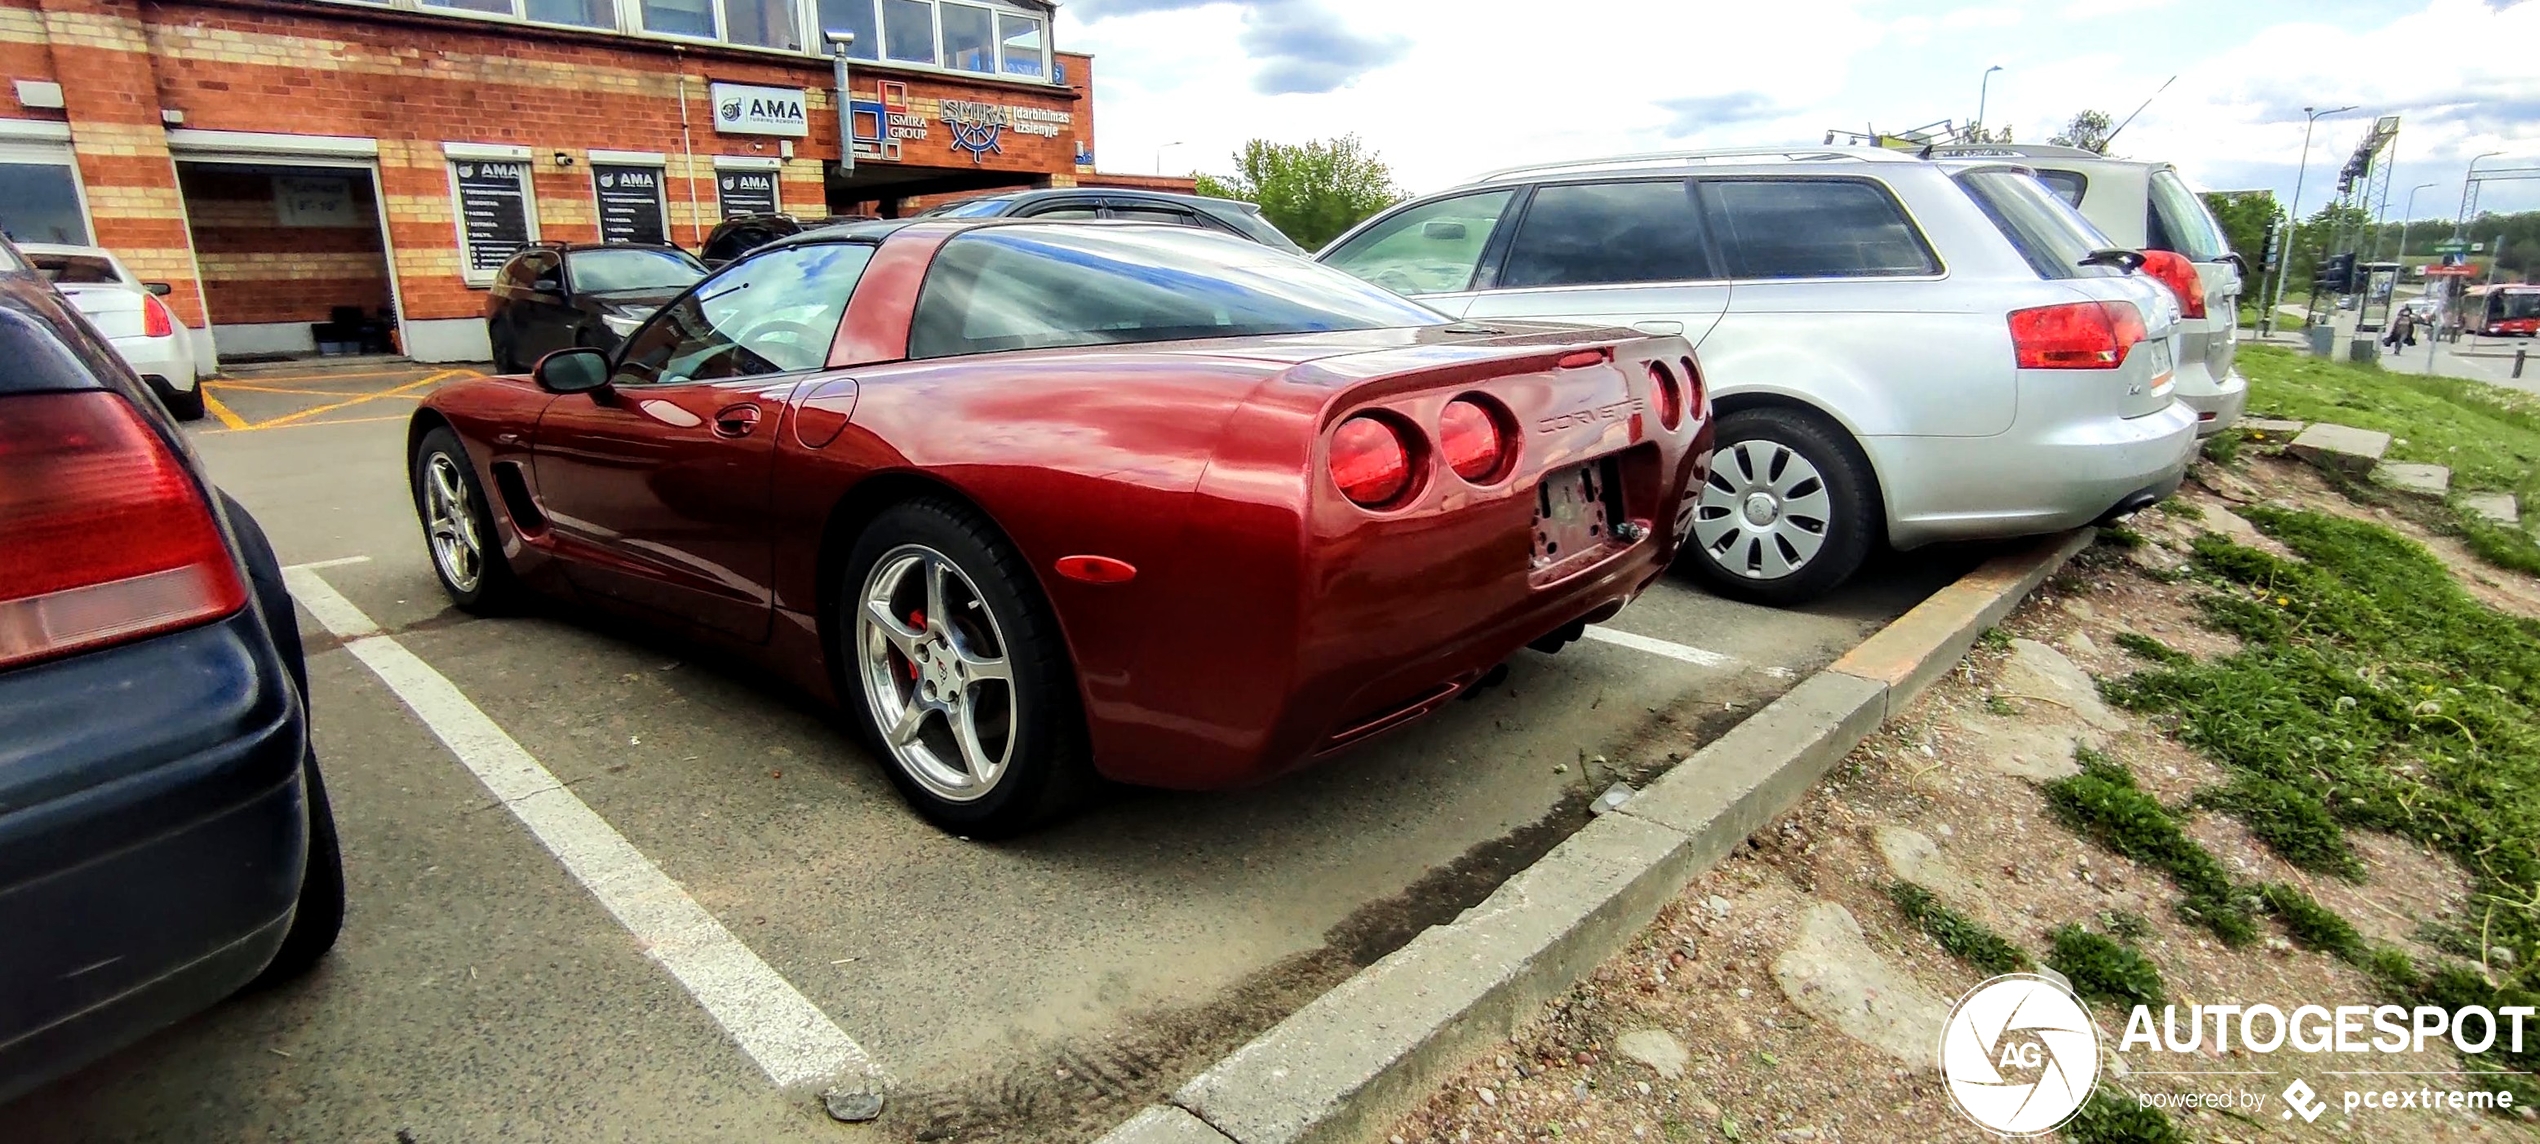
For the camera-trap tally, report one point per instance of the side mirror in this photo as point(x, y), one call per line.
point(546, 286)
point(579, 370)
point(1444, 230)
point(162, 289)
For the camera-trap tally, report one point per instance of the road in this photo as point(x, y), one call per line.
point(2472, 358)
point(1045, 987)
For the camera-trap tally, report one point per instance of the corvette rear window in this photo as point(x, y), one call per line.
point(1039, 287)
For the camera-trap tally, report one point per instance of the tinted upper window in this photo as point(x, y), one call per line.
point(1813, 228)
point(1586, 233)
point(776, 313)
point(2069, 186)
point(599, 271)
point(970, 208)
point(76, 269)
point(2178, 221)
point(1142, 212)
point(1431, 248)
point(1032, 287)
point(1066, 212)
point(2046, 230)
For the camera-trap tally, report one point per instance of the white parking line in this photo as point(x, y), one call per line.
point(781, 1030)
point(1675, 651)
point(338, 562)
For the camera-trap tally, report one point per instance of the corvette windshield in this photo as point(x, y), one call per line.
point(1037, 287)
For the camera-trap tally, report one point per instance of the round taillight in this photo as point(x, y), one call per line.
point(1472, 440)
point(1370, 461)
point(1664, 394)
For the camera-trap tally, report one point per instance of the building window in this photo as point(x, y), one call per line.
point(962, 35)
point(680, 17)
point(39, 200)
point(1019, 39)
point(854, 16)
point(969, 41)
point(577, 13)
point(495, 219)
point(761, 23)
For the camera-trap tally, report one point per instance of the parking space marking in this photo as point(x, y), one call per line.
point(1682, 653)
point(392, 391)
point(213, 405)
point(338, 562)
point(787, 1036)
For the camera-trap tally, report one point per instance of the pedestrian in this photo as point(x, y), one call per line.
point(2403, 331)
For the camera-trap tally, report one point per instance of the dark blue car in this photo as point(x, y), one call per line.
point(164, 837)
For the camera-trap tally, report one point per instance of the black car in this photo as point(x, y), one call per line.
point(1230, 216)
point(741, 234)
point(165, 839)
point(558, 295)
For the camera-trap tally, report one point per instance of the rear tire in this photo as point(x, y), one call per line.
point(319, 917)
point(1788, 511)
point(506, 359)
point(458, 527)
point(941, 627)
point(184, 405)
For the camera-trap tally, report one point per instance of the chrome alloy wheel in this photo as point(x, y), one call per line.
point(936, 674)
point(1762, 514)
point(457, 549)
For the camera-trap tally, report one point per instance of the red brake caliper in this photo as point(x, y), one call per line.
point(916, 620)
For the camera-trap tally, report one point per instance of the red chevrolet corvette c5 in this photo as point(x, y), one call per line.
point(1033, 501)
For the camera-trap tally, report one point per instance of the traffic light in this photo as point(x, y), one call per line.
point(2335, 276)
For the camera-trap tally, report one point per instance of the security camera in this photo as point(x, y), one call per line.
point(841, 40)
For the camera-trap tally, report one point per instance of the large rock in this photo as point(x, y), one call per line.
point(2498, 508)
point(2270, 427)
point(2342, 448)
point(2036, 749)
point(2409, 477)
point(1657, 1048)
point(2039, 673)
point(1832, 974)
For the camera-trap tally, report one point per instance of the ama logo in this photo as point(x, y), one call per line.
point(730, 111)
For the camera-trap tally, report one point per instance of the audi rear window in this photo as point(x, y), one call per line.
point(1041, 287)
point(2046, 230)
point(2179, 221)
point(2069, 186)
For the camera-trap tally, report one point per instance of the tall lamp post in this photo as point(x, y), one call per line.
point(2469, 184)
point(2293, 219)
point(1159, 155)
point(1984, 87)
point(2407, 216)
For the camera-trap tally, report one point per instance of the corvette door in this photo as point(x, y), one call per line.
point(658, 484)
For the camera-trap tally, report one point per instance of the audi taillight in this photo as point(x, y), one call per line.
point(1474, 440)
point(2173, 270)
point(1370, 461)
point(156, 322)
point(2076, 335)
point(1668, 400)
point(104, 536)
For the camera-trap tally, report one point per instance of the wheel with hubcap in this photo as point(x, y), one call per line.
point(458, 526)
point(1786, 513)
point(965, 685)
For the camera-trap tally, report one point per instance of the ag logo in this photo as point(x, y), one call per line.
point(731, 111)
point(2020, 1054)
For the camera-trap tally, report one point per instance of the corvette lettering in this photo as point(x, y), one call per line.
point(1590, 416)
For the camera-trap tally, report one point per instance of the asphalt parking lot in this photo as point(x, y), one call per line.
point(1044, 988)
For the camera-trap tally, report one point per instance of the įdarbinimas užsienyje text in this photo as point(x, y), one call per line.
point(2345, 1029)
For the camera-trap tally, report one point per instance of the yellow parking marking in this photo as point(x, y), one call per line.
point(246, 428)
point(238, 387)
point(215, 408)
point(317, 377)
point(418, 383)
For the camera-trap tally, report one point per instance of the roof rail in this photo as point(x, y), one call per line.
point(1675, 158)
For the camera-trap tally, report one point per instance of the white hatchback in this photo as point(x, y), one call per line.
point(131, 315)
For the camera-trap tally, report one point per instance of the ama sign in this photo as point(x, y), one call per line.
point(742, 109)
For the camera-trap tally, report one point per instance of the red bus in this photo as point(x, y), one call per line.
point(2502, 311)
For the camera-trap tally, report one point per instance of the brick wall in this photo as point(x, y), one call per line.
point(255, 269)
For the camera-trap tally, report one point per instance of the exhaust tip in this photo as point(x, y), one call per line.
point(2131, 505)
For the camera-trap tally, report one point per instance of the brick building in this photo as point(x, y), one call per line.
point(289, 162)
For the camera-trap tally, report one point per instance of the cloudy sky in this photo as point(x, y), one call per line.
point(1445, 90)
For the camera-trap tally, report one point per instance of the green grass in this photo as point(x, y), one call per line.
point(2111, 1117)
point(2104, 969)
point(2312, 925)
point(2149, 648)
point(2371, 692)
point(2104, 803)
point(2487, 434)
point(1964, 937)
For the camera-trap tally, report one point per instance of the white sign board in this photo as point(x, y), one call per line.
point(742, 109)
point(302, 200)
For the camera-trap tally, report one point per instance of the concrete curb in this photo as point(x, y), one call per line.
point(1354, 1060)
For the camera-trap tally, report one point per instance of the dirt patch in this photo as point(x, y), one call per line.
point(1760, 1070)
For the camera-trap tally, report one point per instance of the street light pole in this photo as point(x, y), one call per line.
point(2407, 216)
point(2293, 220)
point(1984, 87)
point(1159, 155)
point(2469, 181)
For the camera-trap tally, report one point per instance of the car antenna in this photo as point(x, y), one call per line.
point(2104, 144)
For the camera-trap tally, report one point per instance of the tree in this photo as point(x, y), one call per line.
point(1979, 133)
point(2088, 131)
point(1311, 191)
point(2245, 217)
